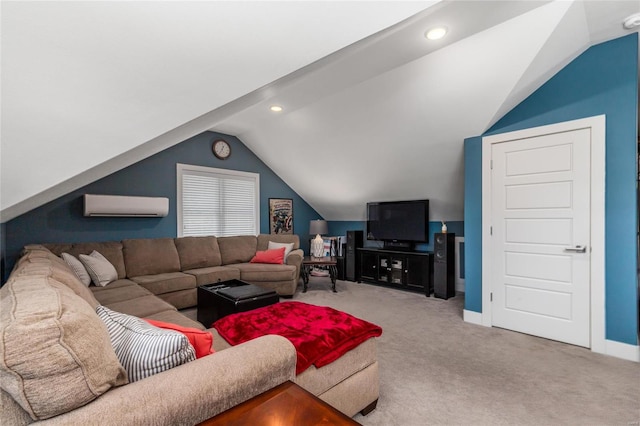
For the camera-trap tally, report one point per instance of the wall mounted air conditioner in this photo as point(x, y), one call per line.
point(125, 206)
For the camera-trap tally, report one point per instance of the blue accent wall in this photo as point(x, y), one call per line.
point(603, 80)
point(61, 220)
point(473, 224)
point(340, 227)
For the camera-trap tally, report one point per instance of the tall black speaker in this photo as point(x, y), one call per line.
point(340, 266)
point(352, 259)
point(444, 280)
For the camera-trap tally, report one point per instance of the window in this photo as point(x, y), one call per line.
point(217, 202)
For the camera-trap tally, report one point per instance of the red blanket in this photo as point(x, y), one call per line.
point(320, 334)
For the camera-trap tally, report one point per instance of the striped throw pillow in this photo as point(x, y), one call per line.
point(78, 268)
point(144, 350)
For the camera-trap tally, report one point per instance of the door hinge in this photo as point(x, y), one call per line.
point(491, 230)
point(491, 164)
point(490, 297)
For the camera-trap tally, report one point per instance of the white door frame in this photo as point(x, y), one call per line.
point(597, 126)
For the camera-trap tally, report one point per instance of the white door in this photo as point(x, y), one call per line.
point(540, 236)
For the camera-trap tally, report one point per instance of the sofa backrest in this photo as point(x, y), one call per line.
point(198, 252)
point(37, 260)
point(150, 256)
point(111, 250)
point(238, 249)
point(263, 240)
point(45, 323)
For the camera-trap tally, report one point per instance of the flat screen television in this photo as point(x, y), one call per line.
point(403, 222)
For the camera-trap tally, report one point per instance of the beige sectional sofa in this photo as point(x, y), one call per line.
point(172, 268)
point(57, 365)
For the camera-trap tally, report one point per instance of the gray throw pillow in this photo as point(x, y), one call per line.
point(287, 247)
point(101, 271)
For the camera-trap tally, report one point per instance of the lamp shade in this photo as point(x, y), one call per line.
point(318, 227)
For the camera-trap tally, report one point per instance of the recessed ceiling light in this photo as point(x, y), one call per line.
point(275, 108)
point(436, 33)
point(631, 21)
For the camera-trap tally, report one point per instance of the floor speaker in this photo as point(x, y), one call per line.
point(340, 265)
point(352, 257)
point(444, 280)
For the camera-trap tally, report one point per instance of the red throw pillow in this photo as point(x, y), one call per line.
point(199, 339)
point(269, 256)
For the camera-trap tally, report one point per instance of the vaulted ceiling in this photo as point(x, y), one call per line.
point(91, 87)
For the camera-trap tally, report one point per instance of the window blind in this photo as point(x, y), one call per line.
point(220, 204)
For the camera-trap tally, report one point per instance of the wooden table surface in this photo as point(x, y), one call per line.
point(310, 261)
point(286, 404)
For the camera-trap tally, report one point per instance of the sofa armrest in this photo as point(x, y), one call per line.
point(196, 391)
point(295, 259)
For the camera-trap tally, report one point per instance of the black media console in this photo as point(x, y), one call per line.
point(399, 269)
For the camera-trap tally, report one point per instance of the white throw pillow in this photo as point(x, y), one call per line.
point(143, 349)
point(287, 247)
point(78, 268)
point(101, 271)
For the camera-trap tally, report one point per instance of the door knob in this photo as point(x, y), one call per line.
point(576, 249)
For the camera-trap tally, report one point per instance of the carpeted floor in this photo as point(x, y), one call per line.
point(437, 369)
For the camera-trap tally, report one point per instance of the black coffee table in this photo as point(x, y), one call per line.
point(228, 297)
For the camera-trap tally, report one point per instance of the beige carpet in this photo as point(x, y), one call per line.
point(437, 369)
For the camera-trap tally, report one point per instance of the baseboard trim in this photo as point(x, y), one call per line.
point(472, 317)
point(622, 350)
point(611, 347)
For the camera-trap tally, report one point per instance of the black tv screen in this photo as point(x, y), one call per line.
point(398, 221)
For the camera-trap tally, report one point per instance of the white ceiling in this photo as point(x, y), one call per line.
point(91, 87)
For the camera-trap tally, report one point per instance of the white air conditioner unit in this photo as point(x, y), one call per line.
point(125, 206)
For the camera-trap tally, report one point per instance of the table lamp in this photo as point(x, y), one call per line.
point(317, 227)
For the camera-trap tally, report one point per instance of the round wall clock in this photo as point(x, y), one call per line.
point(221, 149)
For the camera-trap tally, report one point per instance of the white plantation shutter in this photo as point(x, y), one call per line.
point(217, 202)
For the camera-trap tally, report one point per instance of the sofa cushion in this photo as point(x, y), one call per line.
point(319, 380)
point(101, 271)
point(237, 249)
point(55, 248)
point(176, 317)
point(181, 299)
point(214, 274)
point(116, 284)
point(257, 272)
point(111, 250)
point(78, 268)
point(198, 252)
point(166, 283)
point(150, 256)
point(63, 331)
point(143, 349)
point(143, 306)
point(118, 291)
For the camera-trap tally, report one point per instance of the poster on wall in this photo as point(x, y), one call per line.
point(280, 215)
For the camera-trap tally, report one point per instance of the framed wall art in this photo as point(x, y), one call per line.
point(280, 216)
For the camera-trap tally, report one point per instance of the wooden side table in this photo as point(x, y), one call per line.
point(286, 404)
point(309, 262)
